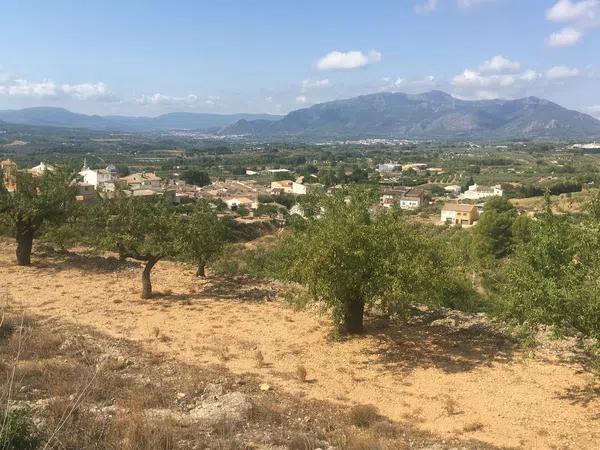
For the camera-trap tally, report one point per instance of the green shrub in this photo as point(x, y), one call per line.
point(18, 431)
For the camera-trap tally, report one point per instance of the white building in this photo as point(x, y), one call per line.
point(453, 189)
point(97, 177)
point(298, 188)
point(388, 168)
point(41, 168)
point(476, 192)
point(241, 202)
point(407, 198)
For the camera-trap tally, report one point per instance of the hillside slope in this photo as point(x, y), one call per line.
point(427, 116)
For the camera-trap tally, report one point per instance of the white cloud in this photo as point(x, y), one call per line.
point(22, 88)
point(427, 7)
point(301, 99)
point(580, 16)
point(469, 3)
point(561, 72)
point(307, 85)
point(499, 64)
point(594, 110)
point(160, 99)
point(354, 59)
point(409, 85)
point(569, 11)
point(496, 78)
point(566, 37)
point(87, 91)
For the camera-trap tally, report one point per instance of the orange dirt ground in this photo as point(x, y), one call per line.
point(471, 384)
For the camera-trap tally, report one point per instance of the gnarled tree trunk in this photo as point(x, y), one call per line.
point(146, 282)
point(353, 316)
point(24, 246)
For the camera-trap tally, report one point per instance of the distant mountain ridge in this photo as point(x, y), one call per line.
point(60, 117)
point(431, 115)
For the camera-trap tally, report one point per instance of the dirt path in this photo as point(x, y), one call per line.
point(452, 382)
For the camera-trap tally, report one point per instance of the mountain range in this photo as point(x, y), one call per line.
point(431, 115)
point(60, 117)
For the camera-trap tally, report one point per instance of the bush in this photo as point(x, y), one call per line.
point(18, 431)
point(364, 415)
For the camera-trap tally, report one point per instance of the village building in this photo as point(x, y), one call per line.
point(241, 202)
point(40, 169)
point(476, 192)
point(85, 193)
point(414, 166)
point(453, 189)
point(143, 180)
point(405, 198)
point(282, 187)
point(98, 177)
point(389, 168)
point(459, 214)
point(300, 187)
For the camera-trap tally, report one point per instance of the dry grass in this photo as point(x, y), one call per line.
point(301, 374)
point(363, 442)
point(260, 359)
point(385, 429)
point(303, 442)
point(473, 427)
point(364, 416)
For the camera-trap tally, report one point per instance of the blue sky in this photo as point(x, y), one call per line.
point(150, 57)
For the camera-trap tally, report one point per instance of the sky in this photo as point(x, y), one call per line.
point(148, 57)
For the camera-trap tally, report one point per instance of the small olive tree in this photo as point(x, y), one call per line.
point(47, 200)
point(349, 259)
point(137, 229)
point(200, 237)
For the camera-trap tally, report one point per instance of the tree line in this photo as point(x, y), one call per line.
point(147, 231)
point(347, 256)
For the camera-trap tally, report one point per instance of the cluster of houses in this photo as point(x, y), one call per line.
point(244, 194)
point(298, 187)
point(403, 197)
point(416, 167)
point(93, 182)
point(106, 182)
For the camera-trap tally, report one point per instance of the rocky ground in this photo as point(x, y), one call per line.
point(86, 390)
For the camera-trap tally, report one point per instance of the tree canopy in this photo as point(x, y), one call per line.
point(349, 259)
point(196, 177)
point(36, 201)
point(137, 229)
point(200, 236)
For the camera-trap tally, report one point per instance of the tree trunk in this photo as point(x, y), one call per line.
point(201, 272)
point(146, 283)
point(353, 316)
point(24, 246)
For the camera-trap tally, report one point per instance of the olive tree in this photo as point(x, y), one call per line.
point(553, 277)
point(36, 202)
point(200, 237)
point(349, 259)
point(137, 229)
